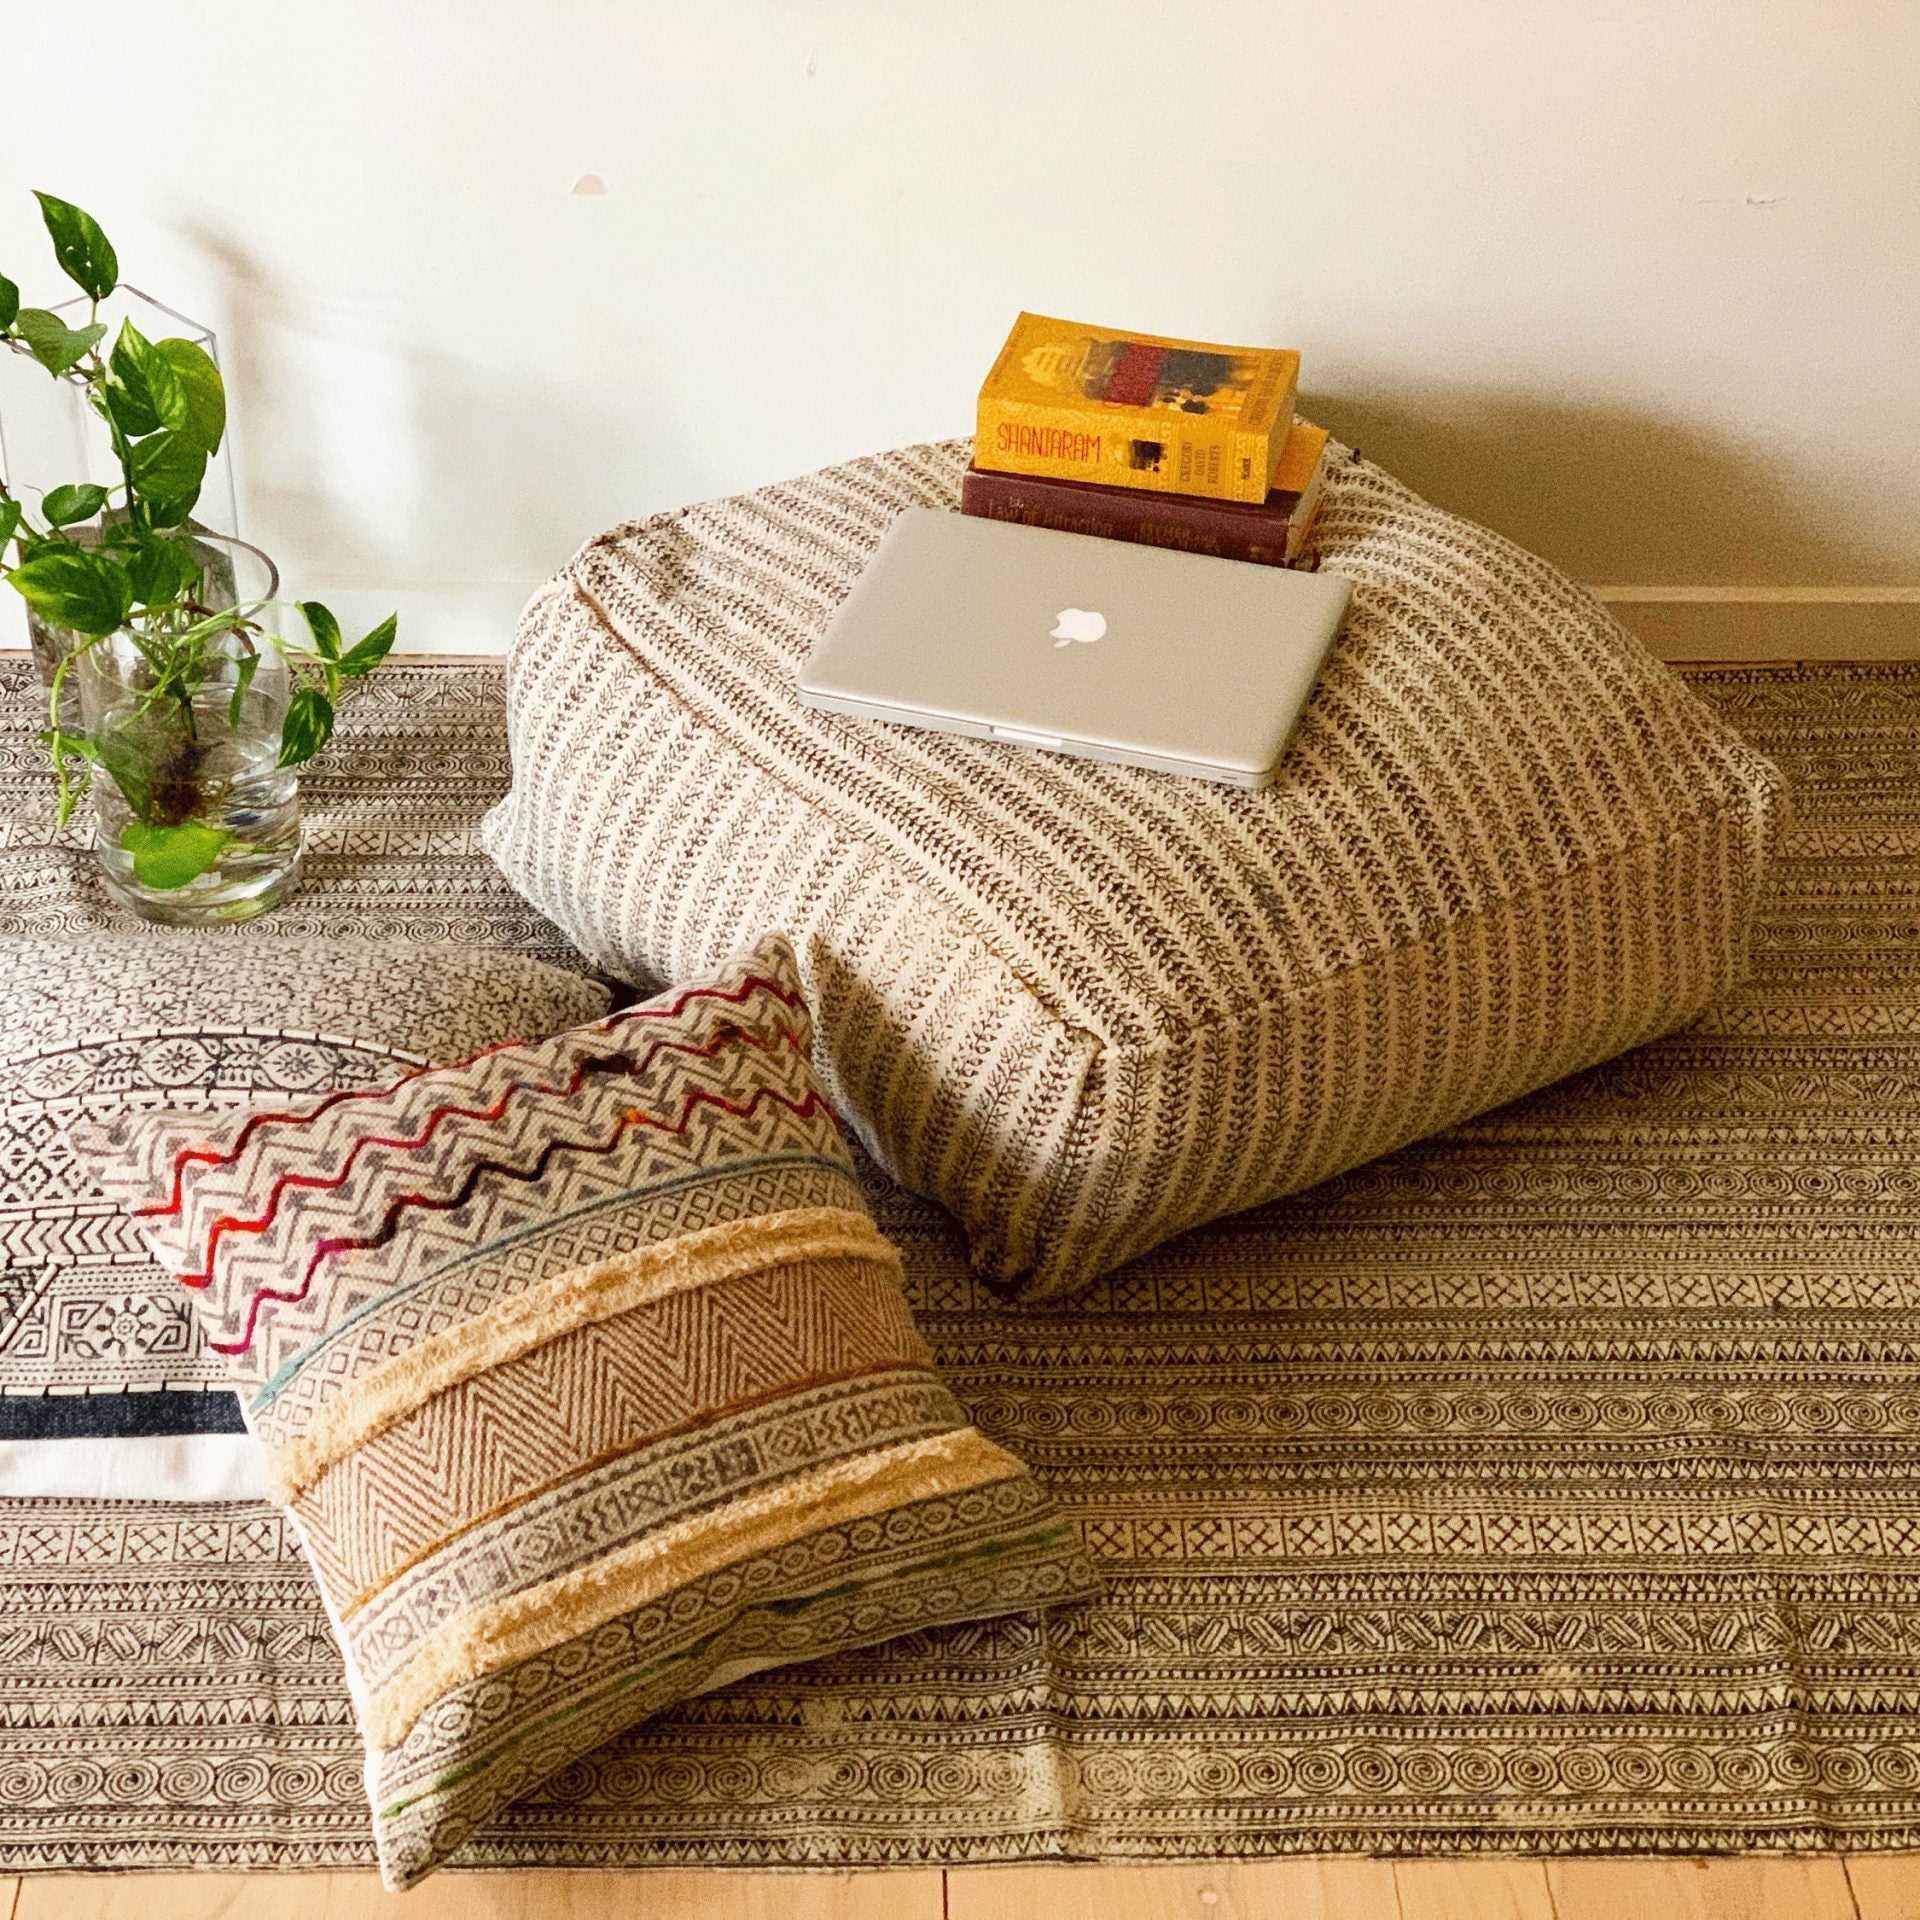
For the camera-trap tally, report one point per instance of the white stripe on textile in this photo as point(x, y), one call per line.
point(164, 1466)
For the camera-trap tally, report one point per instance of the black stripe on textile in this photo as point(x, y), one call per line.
point(116, 1416)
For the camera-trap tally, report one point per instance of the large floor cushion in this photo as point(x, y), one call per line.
point(1088, 1006)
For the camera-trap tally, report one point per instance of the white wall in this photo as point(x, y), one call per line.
point(1638, 284)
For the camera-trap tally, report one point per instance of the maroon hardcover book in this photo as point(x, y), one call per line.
point(1269, 533)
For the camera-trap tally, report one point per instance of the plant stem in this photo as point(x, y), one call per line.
point(96, 383)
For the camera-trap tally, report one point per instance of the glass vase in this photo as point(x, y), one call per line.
point(165, 762)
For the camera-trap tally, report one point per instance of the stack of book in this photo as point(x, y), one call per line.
point(1166, 443)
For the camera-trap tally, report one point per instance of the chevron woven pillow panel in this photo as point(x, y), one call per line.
point(590, 1383)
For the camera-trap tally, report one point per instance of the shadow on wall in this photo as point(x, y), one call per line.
point(1608, 494)
point(369, 455)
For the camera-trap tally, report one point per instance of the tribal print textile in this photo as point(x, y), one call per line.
point(1549, 1486)
point(589, 1381)
point(392, 855)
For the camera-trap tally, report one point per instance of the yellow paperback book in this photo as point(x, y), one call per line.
point(1136, 410)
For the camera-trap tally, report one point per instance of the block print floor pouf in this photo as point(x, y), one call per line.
point(1087, 1006)
point(588, 1379)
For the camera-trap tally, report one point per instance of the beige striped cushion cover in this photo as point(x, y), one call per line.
point(1088, 1006)
point(588, 1379)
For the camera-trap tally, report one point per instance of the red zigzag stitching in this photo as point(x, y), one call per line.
point(207, 1156)
point(633, 1117)
point(624, 1064)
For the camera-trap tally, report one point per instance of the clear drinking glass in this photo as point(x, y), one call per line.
point(213, 762)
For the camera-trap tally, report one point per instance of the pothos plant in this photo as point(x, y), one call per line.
point(122, 559)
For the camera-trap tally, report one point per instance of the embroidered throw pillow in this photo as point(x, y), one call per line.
point(588, 1379)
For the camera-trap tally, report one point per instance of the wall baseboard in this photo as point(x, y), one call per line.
point(1714, 623)
point(1677, 623)
point(466, 620)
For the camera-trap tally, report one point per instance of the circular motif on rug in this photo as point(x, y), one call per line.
point(298, 1065)
point(176, 1061)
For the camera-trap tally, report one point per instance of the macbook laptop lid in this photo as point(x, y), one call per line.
point(1063, 641)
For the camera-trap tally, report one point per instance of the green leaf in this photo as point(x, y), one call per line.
point(51, 341)
point(129, 763)
point(324, 628)
point(84, 253)
point(171, 513)
point(307, 727)
point(9, 520)
point(367, 654)
point(205, 395)
point(169, 857)
point(66, 506)
point(9, 302)
point(161, 569)
point(61, 744)
point(127, 410)
point(71, 586)
point(249, 665)
point(167, 468)
point(143, 391)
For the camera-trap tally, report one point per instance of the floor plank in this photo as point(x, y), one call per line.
point(485, 1896)
point(1886, 1886)
point(1226, 1890)
point(1743, 1889)
point(1473, 1890)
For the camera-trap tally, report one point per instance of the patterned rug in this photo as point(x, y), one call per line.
point(1552, 1485)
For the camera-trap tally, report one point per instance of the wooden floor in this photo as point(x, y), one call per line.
point(1823, 1888)
point(1862, 1887)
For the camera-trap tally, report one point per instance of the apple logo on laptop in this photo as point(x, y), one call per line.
point(1078, 623)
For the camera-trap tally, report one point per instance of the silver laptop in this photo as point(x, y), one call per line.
point(1062, 641)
